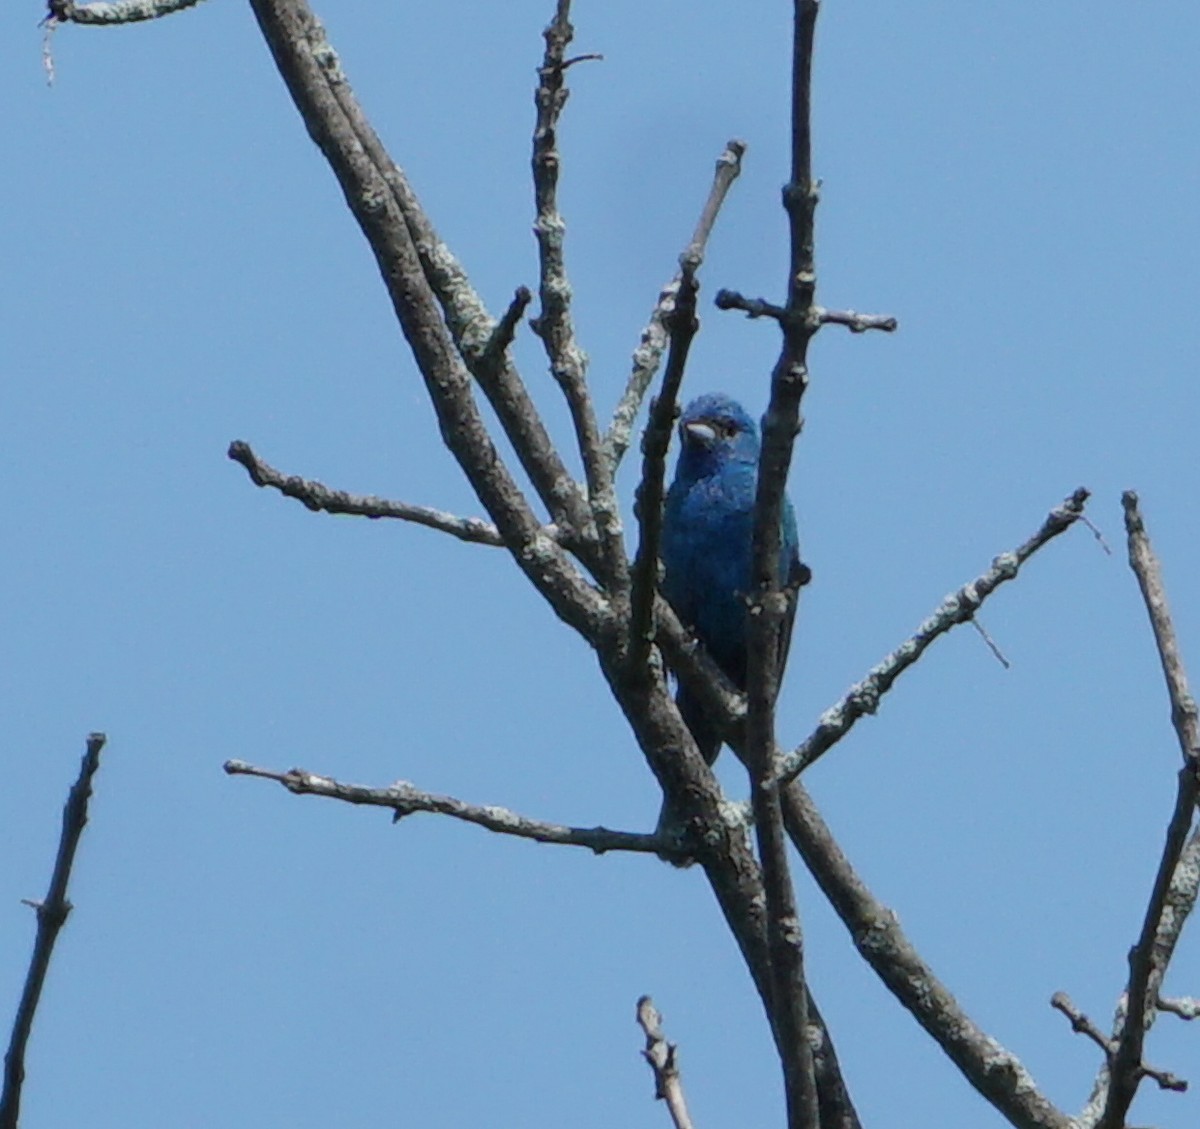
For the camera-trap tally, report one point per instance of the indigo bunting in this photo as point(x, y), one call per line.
point(707, 535)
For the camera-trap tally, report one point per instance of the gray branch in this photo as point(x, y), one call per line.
point(472, 328)
point(319, 497)
point(863, 697)
point(761, 308)
point(52, 915)
point(995, 1072)
point(405, 799)
point(1174, 892)
point(554, 325)
point(1186, 1007)
point(120, 12)
point(648, 355)
point(664, 1062)
point(1082, 1025)
point(323, 97)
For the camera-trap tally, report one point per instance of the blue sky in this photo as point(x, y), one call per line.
point(1016, 182)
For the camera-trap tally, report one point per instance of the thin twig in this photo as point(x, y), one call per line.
point(51, 916)
point(467, 319)
point(554, 324)
point(995, 1072)
point(863, 697)
point(856, 322)
point(322, 95)
point(1146, 964)
point(751, 307)
point(1082, 1025)
point(404, 799)
point(119, 12)
point(990, 642)
point(1181, 900)
point(663, 1060)
point(761, 308)
point(1186, 1007)
point(647, 356)
point(319, 497)
point(682, 328)
point(506, 328)
point(1098, 535)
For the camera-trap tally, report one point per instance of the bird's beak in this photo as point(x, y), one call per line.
point(699, 432)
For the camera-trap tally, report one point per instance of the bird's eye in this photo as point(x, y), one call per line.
point(725, 428)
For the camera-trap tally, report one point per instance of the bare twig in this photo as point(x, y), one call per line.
point(768, 603)
point(682, 326)
point(471, 326)
point(506, 328)
point(650, 491)
point(1082, 1025)
point(1097, 534)
point(990, 642)
point(761, 308)
point(653, 344)
point(322, 95)
point(661, 1055)
point(1186, 1007)
point(319, 497)
point(119, 12)
point(995, 1072)
point(51, 916)
point(1180, 901)
point(404, 799)
point(1147, 958)
point(751, 307)
point(856, 322)
point(554, 324)
point(959, 607)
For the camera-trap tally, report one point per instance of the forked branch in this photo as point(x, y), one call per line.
point(404, 799)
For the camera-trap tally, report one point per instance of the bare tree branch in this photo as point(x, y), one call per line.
point(650, 492)
point(1148, 958)
point(120, 12)
point(649, 352)
point(315, 80)
point(995, 1072)
point(856, 322)
point(319, 497)
point(51, 916)
point(768, 603)
point(1082, 1025)
point(506, 328)
point(404, 799)
point(682, 326)
point(1186, 1007)
point(320, 90)
point(959, 607)
point(668, 1086)
point(761, 308)
point(1180, 901)
point(554, 325)
point(470, 325)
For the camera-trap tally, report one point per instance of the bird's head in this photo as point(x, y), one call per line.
point(715, 430)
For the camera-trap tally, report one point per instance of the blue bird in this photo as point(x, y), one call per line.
point(707, 535)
